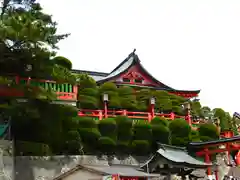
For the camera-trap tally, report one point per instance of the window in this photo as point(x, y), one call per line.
point(126, 80)
point(138, 81)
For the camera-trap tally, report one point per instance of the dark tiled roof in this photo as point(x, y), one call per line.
point(175, 156)
point(201, 144)
point(131, 60)
point(121, 170)
point(180, 155)
point(126, 171)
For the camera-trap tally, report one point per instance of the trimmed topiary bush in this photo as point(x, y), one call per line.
point(142, 131)
point(107, 145)
point(25, 148)
point(208, 130)
point(108, 127)
point(160, 133)
point(160, 121)
point(62, 61)
point(89, 135)
point(141, 147)
point(180, 132)
point(86, 122)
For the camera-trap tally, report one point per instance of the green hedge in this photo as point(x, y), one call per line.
point(24, 148)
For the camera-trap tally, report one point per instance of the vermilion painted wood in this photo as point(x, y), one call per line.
point(7, 91)
point(133, 115)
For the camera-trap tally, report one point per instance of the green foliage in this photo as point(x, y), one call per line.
point(86, 122)
point(90, 136)
point(111, 90)
point(195, 136)
point(108, 127)
point(73, 142)
point(127, 98)
point(160, 121)
point(24, 148)
point(142, 131)
point(180, 132)
point(141, 147)
point(223, 117)
point(124, 128)
point(107, 145)
point(208, 130)
point(160, 133)
point(62, 61)
point(87, 92)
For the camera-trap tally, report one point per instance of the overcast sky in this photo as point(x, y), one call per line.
point(187, 44)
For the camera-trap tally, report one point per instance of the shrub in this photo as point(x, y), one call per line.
point(141, 147)
point(160, 121)
point(89, 136)
point(127, 98)
point(180, 141)
point(142, 131)
point(123, 122)
point(160, 133)
point(25, 148)
point(209, 130)
point(107, 145)
point(180, 132)
point(86, 122)
point(123, 147)
point(195, 136)
point(85, 81)
point(108, 127)
point(180, 128)
point(64, 62)
point(87, 102)
point(73, 142)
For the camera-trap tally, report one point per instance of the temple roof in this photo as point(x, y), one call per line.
point(121, 170)
point(123, 67)
point(177, 156)
point(214, 142)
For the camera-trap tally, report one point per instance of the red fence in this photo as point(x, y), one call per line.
point(65, 92)
point(100, 114)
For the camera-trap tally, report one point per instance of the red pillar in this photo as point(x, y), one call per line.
point(124, 112)
point(152, 110)
point(172, 115)
point(105, 109)
point(207, 160)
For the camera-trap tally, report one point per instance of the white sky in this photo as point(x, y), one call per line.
point(186, 44)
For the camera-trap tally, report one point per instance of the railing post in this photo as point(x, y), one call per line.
point(188, 119)
point(172, 115)
point(75, 91)
point(124, 112)
point(100, 115)
point(149, 117)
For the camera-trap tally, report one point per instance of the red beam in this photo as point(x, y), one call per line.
point(214, 151)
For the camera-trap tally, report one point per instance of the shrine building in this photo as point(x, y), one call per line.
point(131, 72)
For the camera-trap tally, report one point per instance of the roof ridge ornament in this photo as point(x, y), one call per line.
point(134, 51)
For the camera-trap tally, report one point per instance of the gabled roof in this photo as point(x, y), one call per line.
point(121, 170)
point(123, 67)
point(178, 157)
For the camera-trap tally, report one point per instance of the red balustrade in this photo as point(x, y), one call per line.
point(11, 91)
point(99, 114)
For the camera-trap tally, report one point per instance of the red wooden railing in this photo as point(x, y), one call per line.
point(9, 91)
point(147, 116)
